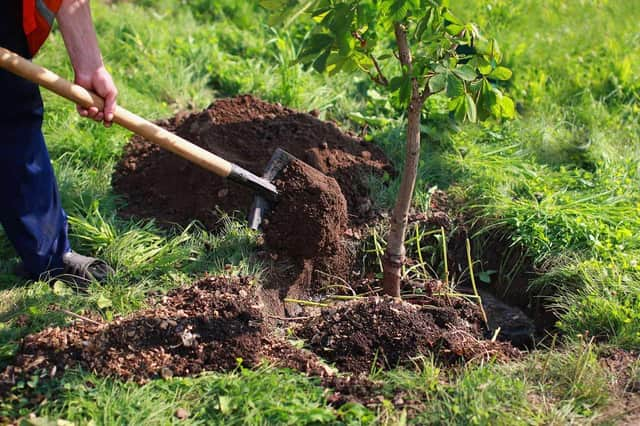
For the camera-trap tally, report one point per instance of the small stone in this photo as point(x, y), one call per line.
point(181, 414)
point(324, 145)
point(223, 192)
point(365, 205)
point(166, 373)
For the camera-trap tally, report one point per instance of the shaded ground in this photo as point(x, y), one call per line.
point(516, 313)
point(624, 367)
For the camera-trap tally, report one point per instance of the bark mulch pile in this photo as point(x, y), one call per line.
point(212, 325)
point(387, 332)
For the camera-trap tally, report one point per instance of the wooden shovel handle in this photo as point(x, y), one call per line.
point(81, 96)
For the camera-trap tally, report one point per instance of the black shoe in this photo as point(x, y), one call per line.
point(82, 270)
point(78, 270)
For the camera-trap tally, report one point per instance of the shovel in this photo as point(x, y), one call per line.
point(266, 192)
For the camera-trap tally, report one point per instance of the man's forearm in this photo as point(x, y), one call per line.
point(80, 38)
point(76, 26)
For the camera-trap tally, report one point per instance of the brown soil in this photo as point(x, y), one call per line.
point(306, 229)
point(311, 214)
point(246, 131)
point(210, 326)
point(387, 332)
point(217, 323)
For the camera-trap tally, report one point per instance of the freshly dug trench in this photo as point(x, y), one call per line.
point(311, 214)
point(385, 332)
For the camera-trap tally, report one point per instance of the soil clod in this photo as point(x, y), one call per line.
point(384, 333)
point(311, 214)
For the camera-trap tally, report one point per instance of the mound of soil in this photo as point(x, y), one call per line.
point(210, 326)
point(246, 131)
point(389, 333)
point(313, 206)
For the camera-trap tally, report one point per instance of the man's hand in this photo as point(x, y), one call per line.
point(76, 26)
point(102, 84)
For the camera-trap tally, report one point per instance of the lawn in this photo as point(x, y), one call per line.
point(556, 190)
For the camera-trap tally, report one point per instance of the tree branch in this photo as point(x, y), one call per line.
point(406, 60)
point(426, 92)
point(403, 46)
point(380, 78)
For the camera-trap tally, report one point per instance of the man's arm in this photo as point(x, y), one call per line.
point(76, 26)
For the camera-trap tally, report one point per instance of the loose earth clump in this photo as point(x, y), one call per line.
point(313, 206)
point(246, 131)
point(387, 332)
point(209, 326)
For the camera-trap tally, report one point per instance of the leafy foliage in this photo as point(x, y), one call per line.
point(450, 58)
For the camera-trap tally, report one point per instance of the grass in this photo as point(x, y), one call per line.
point(560, 184)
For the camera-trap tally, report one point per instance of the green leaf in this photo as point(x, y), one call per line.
point(460, 108)
point(450, 17)
point(465, 72)
point(104, 302)
point(501, 73)
point(484, 66)
point(455, 87)
point(271, 4)
point(454, 29)
point(61, 289)
point(485, 276)
point(398, 9)
point(405, 91)
point(471, 111)
point(342, 19)
point(438, 83)
point(395, 83)
point(318, 42)
point(507, 107)
point(225, 404)
point(320, 64)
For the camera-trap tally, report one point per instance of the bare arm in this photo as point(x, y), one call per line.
point(76, 26)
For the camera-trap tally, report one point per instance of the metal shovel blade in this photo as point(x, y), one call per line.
point(261, 205)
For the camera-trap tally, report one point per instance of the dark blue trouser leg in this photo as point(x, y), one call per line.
point(30, 209)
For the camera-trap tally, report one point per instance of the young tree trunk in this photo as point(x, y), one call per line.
point(395, 253)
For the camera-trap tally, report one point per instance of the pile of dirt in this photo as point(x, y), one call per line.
point(246, 131)
point(389, 332)
point(311, 214)
point(210, 326)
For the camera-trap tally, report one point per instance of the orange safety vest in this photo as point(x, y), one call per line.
point(37, 19)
